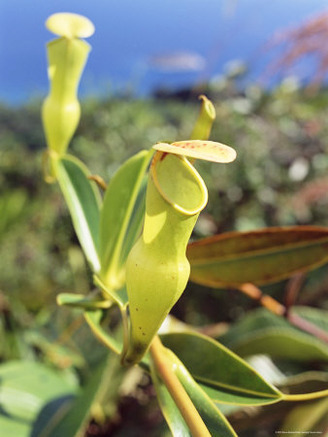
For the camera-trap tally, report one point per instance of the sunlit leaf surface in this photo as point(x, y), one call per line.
point(121, 217)
point(224, 376)
point(27, 390)
point(83, 202)
point(173, 417)
point(261, 332)
point(260, 257)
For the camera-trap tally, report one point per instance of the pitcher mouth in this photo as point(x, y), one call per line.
point(179, 183)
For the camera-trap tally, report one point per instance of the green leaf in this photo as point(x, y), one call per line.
point(135, 222)
point(26, 388)
point(224, 376)
point(91, 302)
point(318, 317)
point(306, 382)
point(73, 423)
point(83, 202)
point(211, 415)
point(93, 318)
point(253, 322)
point(261, 332)
point(120, 297)
point(169, 409)
point(121, 217)
point(301, 383)
point(285, 344)
point(111, 340)
point(259, 257)
point(52, 413)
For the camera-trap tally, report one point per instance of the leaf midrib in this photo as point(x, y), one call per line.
point(216, 384)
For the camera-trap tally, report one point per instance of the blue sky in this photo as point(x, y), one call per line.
point(129, 32)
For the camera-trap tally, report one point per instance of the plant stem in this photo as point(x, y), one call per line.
point(305, 396)
point(187, 409)
point(266, 301)
point(67, 334)
point(47, 168)
point(99, 181)
point(293, 289)
point(125, 324)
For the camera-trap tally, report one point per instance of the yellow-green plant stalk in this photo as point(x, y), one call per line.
point(67, 56)
point(157, 268)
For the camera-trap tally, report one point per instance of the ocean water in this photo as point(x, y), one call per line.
point(142, 45)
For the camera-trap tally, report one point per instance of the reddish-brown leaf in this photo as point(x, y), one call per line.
point(260, 257)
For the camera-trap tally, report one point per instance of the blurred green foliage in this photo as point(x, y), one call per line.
point(280, 178)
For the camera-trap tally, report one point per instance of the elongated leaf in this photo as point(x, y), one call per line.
point(307, 382)
point(26, 388)
point(120, 297)
point(76, 418)
point(169, 409)
point(135, 222)
point(121, 217)
point(110, 340)
point(302, 383)
point(282, 343)
point(260, 332)
point(93, 318)
point(257, 320)
point(259, 257)
point(224, 376)
point(253, 322)
point(83, 202)
point(211, 415)
point(52, 414)
point(318, 317)
point(91, 302)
